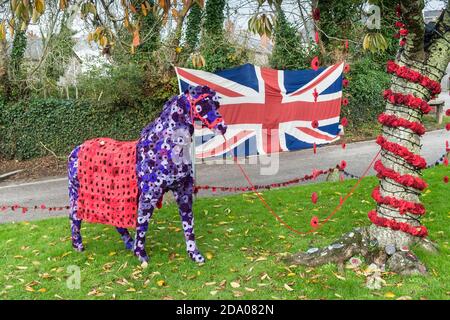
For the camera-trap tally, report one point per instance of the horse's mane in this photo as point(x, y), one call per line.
point(166, 111)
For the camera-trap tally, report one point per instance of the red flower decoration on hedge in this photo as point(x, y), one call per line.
point(447, 113)
point(445, 161)
point(344, 101)
point(344, 122)
point(345, 83)
point(315, 124)
point(316, 14)
point(314, 197)
point(446, 179)
point(346, 68)
point(447, 126)
point(402, 42)
point(404, 32)
point(316, 37)
point(343, 165)
point(346, 44)
point(399, 24)
point(315, 63)
point(343, 145)
point(43, 206)
point(314, 222)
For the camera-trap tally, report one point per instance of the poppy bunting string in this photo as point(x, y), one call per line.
point(315, 174)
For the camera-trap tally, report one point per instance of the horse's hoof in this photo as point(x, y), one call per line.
point(196, 257)
point(142, 256)
point(78, 248)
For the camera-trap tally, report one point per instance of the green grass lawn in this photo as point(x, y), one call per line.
point(242, 241)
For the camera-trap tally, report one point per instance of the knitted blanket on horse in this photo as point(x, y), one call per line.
point(108, 182)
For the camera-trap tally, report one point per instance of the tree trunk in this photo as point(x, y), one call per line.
point(431, 63)
point(383, 245)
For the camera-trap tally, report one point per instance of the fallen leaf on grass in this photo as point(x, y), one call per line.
point(338, 276)
point(235, 284)
point(404, 298)
point(389, 294)
point(287, 287)
point(29, 289)
point(161, 283)
point(237, 294)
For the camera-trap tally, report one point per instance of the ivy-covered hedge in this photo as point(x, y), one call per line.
point(365, 91)
point(59, 125)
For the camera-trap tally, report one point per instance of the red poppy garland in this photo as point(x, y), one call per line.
point(407, 100)
point(413, 76)
point(418, 231)
point(413, 159)
point(402, 205)
point(393, 121)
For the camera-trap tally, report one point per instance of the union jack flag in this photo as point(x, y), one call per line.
point(269, 110)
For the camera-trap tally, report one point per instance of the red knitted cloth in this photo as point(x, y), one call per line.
point(108, 185)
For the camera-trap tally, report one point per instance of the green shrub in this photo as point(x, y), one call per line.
point(59, 125)
point(113, 86)
point(288, 51)
point(365, 92)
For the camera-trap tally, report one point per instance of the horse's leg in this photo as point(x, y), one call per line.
point(147, 204)
point(74, 185)
point(183, 196)
point(126, 237)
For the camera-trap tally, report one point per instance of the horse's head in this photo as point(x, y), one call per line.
point(204, 106)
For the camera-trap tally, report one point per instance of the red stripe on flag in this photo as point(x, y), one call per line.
point(315, 134)
point(228, 144)
point(219, 89)
point(320, 78)
point(271, 115)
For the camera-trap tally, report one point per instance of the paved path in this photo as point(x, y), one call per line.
point(53, 191)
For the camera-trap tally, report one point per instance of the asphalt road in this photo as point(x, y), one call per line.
point(53, 190)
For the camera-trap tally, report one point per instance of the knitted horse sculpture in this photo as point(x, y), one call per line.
point(121, 183)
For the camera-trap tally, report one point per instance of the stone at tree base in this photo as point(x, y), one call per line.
point(390, 249)
point(374, 281)
point(428, 245)
point(406, 263)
